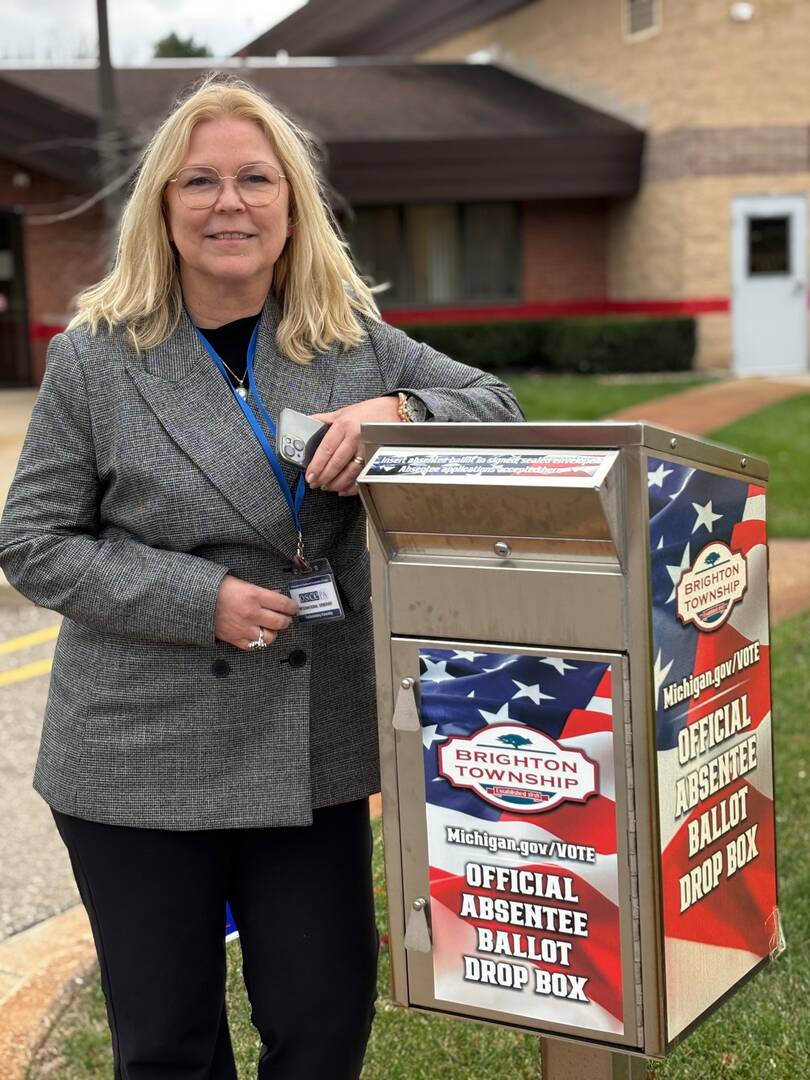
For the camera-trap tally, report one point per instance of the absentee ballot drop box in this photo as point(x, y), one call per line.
point(571, 634)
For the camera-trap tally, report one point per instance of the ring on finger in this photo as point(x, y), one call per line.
point(259, 643)
point(358, 460)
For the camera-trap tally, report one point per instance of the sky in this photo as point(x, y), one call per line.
point(65, 29)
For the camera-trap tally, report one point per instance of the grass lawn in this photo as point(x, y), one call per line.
point(781, 434)
point(760, 1034)
point(570, 398)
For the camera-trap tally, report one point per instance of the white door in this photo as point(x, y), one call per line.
point(769, 285)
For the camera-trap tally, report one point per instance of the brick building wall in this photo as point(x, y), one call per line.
point(564, 250)
point(727, 109)
point(60, 258)
point(701, 70)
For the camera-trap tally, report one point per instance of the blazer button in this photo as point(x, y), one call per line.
point(297, 658)
point(220, 669)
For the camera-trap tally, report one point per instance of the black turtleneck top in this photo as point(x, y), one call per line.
point(231, 342)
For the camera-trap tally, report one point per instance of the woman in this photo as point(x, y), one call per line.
point(201, 742)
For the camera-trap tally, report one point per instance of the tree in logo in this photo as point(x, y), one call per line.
point(712, 558)
point(515, 741)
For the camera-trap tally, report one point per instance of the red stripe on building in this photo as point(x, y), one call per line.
point(561, 309)
point(43, 331)
point(514, 312)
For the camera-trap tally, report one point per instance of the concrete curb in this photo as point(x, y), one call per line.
point(38, 970)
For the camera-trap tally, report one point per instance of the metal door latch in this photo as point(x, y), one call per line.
point(406, 712)
point(417, 932)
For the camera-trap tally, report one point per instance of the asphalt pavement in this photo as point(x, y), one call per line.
point(36, 881)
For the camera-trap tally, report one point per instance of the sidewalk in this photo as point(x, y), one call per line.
point(39, 966)
point(705, 408)
point(15, 412)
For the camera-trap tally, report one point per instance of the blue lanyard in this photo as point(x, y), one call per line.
point(294, 502)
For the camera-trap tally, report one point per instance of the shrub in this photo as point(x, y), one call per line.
point(586, 345)
point(598, 346)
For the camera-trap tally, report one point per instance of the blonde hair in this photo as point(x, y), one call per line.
point(314, 279)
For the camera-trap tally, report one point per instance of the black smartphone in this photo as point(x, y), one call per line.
point(298, 437)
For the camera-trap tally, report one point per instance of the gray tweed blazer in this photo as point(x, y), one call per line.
point(139, 487)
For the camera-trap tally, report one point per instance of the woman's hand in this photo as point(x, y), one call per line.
point(242, 609)
point(334, 466)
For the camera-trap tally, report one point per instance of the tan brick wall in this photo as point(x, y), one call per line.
point(723, 103)
point(564, 250)
point(581, 45)
point(60, 259)
point(708, 225)
point(747, 73)
point(646, 244)
point(713, 343)
point(701, 70)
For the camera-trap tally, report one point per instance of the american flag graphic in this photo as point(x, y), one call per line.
point(464, 691)
point(231, 932)
point(712, 941)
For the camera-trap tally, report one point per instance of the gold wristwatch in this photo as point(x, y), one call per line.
point(412, 410)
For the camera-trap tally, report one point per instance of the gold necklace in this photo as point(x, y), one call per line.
point(240, 383)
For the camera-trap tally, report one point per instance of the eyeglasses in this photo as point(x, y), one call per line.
point(199, 186)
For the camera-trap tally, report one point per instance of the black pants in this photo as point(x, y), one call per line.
point(303, 904)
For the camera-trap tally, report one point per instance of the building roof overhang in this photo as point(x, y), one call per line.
point(400, 131)
point(374, 27)
point(39, 133)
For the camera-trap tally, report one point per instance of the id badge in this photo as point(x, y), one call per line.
point(316, 594)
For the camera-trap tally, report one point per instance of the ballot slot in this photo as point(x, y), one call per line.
point(530, 504)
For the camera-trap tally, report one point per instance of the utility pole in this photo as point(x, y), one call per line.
point(108, 130)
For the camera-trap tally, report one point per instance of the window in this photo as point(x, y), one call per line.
point(375, 235)
point(15, 366)
point(433, 246)
point(641, 17)
point(439, 253)
point(769, 245)
point(492, 251)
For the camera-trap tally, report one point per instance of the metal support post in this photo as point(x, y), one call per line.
point(570, 1061)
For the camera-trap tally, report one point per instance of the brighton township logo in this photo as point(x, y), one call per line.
point(517, 768)
point(710, 588)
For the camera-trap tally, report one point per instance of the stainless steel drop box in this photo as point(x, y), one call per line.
point(571, 634)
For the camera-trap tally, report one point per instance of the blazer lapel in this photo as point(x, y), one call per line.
point(192, 401)
point(283, 383)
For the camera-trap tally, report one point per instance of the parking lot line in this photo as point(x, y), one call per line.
point(27, 640)
point(26, 671)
